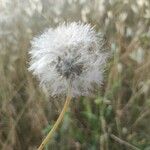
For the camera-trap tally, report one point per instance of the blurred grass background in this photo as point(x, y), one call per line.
point(117, 118)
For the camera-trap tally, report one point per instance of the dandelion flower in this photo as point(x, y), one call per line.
point(72, 53)
point(68, 59)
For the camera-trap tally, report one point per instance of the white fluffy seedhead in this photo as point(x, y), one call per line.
point(71, 53)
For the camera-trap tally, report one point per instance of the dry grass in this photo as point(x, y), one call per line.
point(117, 118)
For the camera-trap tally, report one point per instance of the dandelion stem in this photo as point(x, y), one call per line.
point(60, 118)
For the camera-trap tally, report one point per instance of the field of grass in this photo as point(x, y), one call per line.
point(117, 118)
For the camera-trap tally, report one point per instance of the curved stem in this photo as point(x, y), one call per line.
point(60, 118)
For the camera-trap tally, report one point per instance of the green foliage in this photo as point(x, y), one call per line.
point(117, 118)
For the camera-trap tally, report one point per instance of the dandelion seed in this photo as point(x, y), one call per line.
point(72, 53)
point(68, 60)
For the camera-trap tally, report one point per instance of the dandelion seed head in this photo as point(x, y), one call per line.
point(72, 53)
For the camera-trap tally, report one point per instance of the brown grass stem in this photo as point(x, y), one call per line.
point(122, 142)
